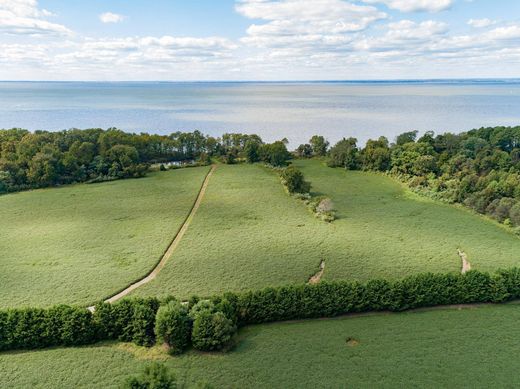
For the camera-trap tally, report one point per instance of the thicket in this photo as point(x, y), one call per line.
point(42, 158)
point(213, 321)
point(155, 376)
point(478, 168)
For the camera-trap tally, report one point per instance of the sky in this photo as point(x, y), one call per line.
point(198, 40)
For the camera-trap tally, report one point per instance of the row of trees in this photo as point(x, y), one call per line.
point(40, 159)
point(479, 168)
point(210, 324)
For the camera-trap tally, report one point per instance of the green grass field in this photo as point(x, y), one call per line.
point(475, 347)
point(249, 234)
point(81, 243)
point(384, 230)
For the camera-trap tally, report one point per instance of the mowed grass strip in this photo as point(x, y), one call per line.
point(82, 243)
point(247, 234)
point(474, 347)
point(384, 230)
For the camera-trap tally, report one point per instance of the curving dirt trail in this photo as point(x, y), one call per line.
point(166, 256)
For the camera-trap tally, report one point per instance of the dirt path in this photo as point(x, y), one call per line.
point(317, 277)
point(166, 256)
point(466, 266)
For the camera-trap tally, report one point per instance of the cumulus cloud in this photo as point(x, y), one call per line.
point(285, 39)
point(109, 17)
point(25, 17)
point(305, 23)
point(415, 5)
point(481, 23)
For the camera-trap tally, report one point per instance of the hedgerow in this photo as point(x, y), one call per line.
point(134, 320)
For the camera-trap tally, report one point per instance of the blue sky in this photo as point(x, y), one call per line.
point(258, 39)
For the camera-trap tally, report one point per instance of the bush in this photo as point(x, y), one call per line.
point(173, 326)
point(215, 320)
point(30, 328)
point(201, 306)
point(155, 376)
point(211, 330)
point(129, 320)
point(294, 181)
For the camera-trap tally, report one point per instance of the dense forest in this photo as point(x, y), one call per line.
point(479, 168)
point(41, 159)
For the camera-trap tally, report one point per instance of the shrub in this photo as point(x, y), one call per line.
point(129, 320)
point(211, 330)
point(294, 181)
point(173, 326)
point(143, 323)
point(155, 376)
point(201, 306)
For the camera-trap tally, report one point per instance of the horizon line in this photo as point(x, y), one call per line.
point(474, 79)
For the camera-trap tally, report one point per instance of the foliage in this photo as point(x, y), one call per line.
point(42, 159)
point(304, 151)
point(211, 330)
point(173, 326)
point(344, 154)
point(130, 320)
point(155, 376)
point(479, 168)
point(319, 145)
point(252, 151)
point(287, 355)
point(294, 181)
point(274, 154)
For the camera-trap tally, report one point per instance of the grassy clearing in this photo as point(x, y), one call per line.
point(248, 233)
point(474, 347)
point(384, 230)
point(81, 243)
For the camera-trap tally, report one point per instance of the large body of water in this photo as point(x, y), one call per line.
point(272, 110)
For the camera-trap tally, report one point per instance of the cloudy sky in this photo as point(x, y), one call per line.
point(258, 39)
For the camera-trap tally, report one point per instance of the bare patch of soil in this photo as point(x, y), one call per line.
point(351, 342)
point(466, 266)
point(317, 277)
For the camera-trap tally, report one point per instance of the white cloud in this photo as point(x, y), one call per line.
point(287, 39)
point(415, 5)
point(404, 35)
point(326, 24)
point(481, 23)
point(24, 17)
point(109, 17)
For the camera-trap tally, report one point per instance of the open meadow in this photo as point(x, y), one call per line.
point(249, 234)
point(388, 231)
point(434, 348)
point(79, 244)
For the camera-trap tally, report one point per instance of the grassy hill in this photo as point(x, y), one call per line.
point(414, 349)
point(249, 234)
point(81, 243)
point(387, 231)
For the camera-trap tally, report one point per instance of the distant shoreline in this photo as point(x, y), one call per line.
point(440, 81)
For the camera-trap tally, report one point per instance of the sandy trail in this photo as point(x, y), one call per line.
point(466, 266)
point(317, 277)
point(166, 256)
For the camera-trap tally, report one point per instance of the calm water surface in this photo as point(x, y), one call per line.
point(272, 110)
